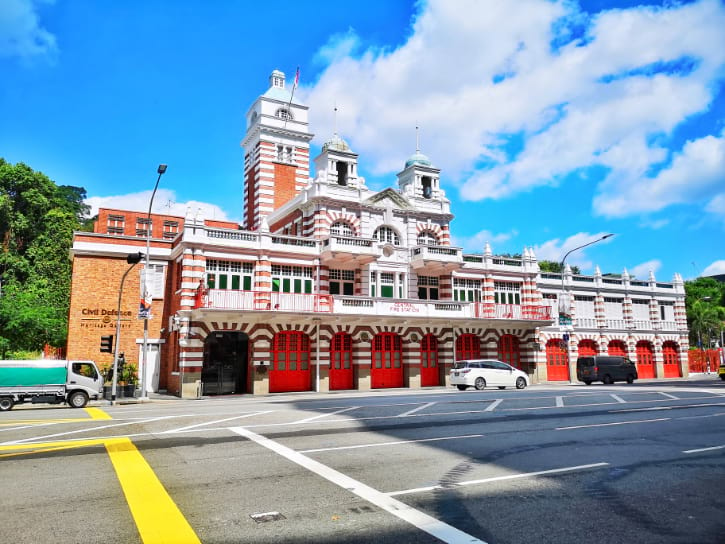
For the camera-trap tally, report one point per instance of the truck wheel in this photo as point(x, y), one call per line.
point(6, 403)
point(77, 399)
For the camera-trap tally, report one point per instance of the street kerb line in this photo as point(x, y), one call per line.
point(421, 520)
point(395, 443)
point(189, 427)
point(612, 424)
point(498, 479)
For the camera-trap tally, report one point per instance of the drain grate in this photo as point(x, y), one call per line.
point(267, 516)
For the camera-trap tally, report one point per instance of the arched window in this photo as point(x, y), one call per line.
point(468, 346)
point(617, 348)
point(427, 238)
point(509, 350)
point(587, 348)
point(341, 228)
point(386, 234)
point(284, 114)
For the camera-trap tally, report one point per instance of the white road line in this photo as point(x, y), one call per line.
point(612, 424)
point(180, 429)
point(668, 395)
point(43, 438)
point(618, 398)
point(559, 402)
point(421, 407)
point(313, 418)
point(491, 407)
point(397, 442)
point(421, 520)
point(500, 478)
point(704, 449)
point(34, 426)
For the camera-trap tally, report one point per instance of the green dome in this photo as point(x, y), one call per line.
point(418, 158)
point(336, 144)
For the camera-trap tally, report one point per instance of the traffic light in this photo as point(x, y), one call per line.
point(107, 344)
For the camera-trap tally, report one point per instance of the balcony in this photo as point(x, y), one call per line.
point(223, 299)
point(436, 260)
point(342, 250)
point(512, 311)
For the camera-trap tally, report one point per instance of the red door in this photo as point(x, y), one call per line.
point(645, 360)
point(429, 361)
point(468, 346)
point(290, 362)
point(587, 348)
point(557, 361)
point(341, 376)
point(617, 348)
point(509, 351)
point(671, 360)
point(387, 357)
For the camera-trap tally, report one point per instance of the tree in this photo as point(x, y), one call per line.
point(705, 306)
point(553, 266)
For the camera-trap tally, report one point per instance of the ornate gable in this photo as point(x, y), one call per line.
point(395, 198)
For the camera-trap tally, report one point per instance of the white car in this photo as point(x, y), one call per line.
point(479, 373)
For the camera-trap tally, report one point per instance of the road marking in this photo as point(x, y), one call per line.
point(618, 398)
point(97, 413)
point(397, 442)
point(421, 520)
point(181, 429)
point(559, 402)
point(668, 395)
point(675, 407)
point(498, 479)
point(157, 517)
point(491, 407)
point(421, 407)
point(320, 416)
point(704, 449)
point(611, 424)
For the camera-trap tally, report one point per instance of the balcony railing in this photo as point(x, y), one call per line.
point(223, 299)
point(512, 311)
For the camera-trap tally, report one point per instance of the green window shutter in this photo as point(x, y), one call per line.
point(222, 281)
point(308, 286)
point(386, 291)
point(285, 285)
point(235, 282)
point(348, 289)
point(297, 286)
point(275, 284)
point(334, 288)
point(247, 283)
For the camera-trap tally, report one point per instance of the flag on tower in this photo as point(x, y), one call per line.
point(297, 78)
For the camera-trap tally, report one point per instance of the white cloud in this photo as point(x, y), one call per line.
point(642, 270)
point(716, 206)
point(164, 203)
point(21, 34)
point(501, 111)
point(718, 267)
point(556, 249)
point(477, 242)
point(338, 46)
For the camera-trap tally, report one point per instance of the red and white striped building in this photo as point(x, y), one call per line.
point(329, 285)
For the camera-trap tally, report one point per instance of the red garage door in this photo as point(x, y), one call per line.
point(341, 376)
point(509, 351)
point(645, 360)
point(617, 348)
point(290, 362)
point(671, 360)
point(429, 361)
point(587, 348)
point(557, 361)
point(387, 357)
point(468, 346)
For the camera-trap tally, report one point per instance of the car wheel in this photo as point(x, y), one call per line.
point(6, 403)
point(479, 384)
point(502, 387)
point(78, 399)
point(607, 379)
point(461, 387)
point(630, 379)
point(588, 382)
point(520, 383)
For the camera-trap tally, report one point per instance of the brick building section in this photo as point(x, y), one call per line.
point(284, 184)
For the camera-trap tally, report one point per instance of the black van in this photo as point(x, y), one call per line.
point(605, 368)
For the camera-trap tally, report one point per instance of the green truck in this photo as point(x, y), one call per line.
point(49, 381)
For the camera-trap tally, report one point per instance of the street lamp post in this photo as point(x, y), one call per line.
point(133, 259)
point(144, 355)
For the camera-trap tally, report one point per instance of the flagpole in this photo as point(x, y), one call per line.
point(291, 96)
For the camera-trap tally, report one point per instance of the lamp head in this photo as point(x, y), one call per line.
point(161, 169)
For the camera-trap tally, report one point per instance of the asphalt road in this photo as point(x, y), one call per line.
point(640, 463)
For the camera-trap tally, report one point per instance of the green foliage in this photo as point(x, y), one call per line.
point(705, 305)
point(37, 220)
point(554, 267)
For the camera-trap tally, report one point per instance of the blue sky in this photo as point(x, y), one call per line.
point(552, 122)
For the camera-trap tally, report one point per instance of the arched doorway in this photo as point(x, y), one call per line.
point(617, 348)
point(468, 346)
point(387, 358)
point(587, 348)
point(224, 369)
point(429, 361)
point(341, 374)
point(557, 360)
point(645, 360)
point(509, 350)
point(671, 360)
point(290, 362)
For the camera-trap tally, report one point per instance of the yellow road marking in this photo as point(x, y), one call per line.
point(157, 517)
point(62, 444)
point(97, 413)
